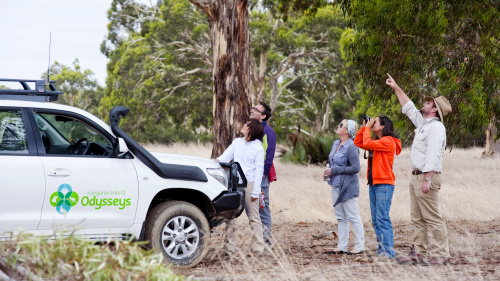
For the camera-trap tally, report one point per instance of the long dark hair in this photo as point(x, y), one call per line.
point(388, 129)
point(256, 131)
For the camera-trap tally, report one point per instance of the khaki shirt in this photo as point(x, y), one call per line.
point(429, 142)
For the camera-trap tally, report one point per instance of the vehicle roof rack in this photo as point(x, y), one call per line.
point(39, 94)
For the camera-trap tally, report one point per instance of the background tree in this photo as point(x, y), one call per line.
point(320, 87)
point(80, 87)
point(161, 60)
point(228, 20)
point(300, 70)
point(445, 48)
point(160, 67)
point(137, 49)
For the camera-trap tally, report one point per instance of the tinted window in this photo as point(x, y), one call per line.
point(12, 133)
point(68, 135)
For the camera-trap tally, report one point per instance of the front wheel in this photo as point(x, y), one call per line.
point(180, 231)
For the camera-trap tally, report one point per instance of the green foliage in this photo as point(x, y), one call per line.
point(286, 8)
point(296, 156)
point(80, 88)
point(77, 258)
point(160, 67)
point(321, 87)
point(435, 48)
point(261, 26)
point(147, 71)
point(327, 62)
point(309, 150)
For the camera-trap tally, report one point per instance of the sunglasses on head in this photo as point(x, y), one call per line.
point(380, 119)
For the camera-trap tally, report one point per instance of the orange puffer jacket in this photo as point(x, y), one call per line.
point(384, 151)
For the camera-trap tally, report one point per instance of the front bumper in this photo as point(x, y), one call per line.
point(229, 205)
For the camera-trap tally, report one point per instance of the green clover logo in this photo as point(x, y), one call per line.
point(64, 198)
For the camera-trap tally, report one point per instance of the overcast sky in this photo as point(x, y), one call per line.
point(78, 27)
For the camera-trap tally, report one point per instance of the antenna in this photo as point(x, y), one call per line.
point(47, 81)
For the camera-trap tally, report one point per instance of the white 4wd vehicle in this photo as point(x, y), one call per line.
point(63, 167)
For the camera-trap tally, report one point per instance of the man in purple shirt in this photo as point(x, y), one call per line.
point(262, 112)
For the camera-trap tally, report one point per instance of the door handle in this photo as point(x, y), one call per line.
point(59, 172)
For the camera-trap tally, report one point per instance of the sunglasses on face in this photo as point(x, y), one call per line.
point(341, 125)
point(255, 108)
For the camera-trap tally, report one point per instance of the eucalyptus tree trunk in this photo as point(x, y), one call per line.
point(260, 91)
point(231, 77)
point(273, 82)
point(258, 79)
point(492, 146)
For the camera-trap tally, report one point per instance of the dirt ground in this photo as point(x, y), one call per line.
point(298, 254)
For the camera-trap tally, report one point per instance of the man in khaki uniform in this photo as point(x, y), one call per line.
point(426, 156)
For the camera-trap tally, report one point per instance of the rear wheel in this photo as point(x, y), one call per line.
point(180, 231)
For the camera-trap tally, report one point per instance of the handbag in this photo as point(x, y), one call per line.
point(272, 174)
point(262, 200)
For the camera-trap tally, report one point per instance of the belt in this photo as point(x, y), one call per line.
point(418, 172)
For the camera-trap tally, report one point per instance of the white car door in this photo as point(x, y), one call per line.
point(22, 182)
point(91, 192)
point(86, 186)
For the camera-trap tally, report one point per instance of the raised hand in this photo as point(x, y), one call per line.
point(391, 82)
point(402, 97)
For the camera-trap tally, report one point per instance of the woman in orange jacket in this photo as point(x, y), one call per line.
point(381, 178)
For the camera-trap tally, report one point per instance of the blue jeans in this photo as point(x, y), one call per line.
point(265, 213)
point(380, 205)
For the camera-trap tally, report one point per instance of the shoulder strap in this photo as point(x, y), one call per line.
point(370, 164)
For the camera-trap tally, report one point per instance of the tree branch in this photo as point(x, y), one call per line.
point(294, 111)
point(347, 91)
point(173, 89)
point(201, 51)
point(194, 71)
point(206, 6)
point(297, 77)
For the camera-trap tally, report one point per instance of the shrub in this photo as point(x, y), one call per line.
point(67, 256)
point(309, 150)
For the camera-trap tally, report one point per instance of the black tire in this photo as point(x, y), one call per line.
point(185, 247)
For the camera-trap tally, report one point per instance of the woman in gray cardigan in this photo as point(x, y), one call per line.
point(343, 174)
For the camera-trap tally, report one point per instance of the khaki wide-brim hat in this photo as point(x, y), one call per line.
point(442, 104)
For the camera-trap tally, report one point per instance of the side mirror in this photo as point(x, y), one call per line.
point(122, 148)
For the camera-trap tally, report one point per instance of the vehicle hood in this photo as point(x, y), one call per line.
point(185, 160)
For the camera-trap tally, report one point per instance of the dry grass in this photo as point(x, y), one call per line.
point(301, 205)
point(468, 191)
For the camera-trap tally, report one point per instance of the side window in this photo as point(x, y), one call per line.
point(12, 133)
point(68, 135)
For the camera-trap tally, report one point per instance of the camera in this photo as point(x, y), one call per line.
point(366, 117)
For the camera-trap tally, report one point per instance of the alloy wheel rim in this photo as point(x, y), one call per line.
point(180, 237)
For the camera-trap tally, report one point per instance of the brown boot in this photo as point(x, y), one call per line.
point(413, 258)
point(439, 261)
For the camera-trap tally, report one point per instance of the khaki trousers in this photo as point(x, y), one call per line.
point(255, 225)
point(426, 218)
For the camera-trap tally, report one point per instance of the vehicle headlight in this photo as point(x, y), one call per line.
point(219, 174)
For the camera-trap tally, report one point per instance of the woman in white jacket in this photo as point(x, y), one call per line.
point(249, 153)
